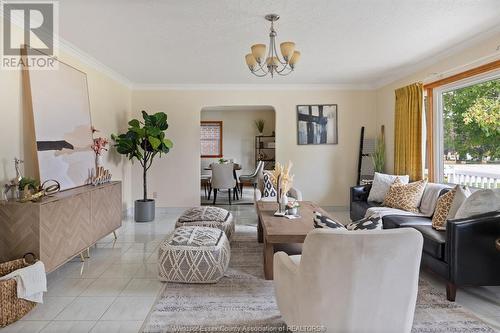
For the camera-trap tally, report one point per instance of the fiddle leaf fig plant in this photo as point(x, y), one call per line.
point(143, 141)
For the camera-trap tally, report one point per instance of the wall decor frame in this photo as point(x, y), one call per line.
point(62, 128)
point(317, 124)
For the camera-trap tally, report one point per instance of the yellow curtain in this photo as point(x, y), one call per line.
point(408, 131)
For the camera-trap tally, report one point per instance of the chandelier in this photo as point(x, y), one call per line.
point(272, 64)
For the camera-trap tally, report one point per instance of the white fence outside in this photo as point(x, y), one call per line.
point(472, 178)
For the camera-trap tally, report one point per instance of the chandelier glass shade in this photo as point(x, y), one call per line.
point(262, 63)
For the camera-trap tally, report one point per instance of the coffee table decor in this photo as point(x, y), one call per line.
point(208, 216)
point(194, 255)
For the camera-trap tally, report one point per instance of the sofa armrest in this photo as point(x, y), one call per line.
point(360, 192)
point(471, 250)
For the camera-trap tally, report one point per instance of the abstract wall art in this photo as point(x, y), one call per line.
point(317, 124)
point(62, 125)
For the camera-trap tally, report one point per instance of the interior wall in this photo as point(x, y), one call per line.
point(323, 172)
point(473, 56)
point(110, 110)
point(238, 134)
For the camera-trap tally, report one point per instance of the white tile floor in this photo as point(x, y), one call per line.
point(114, 290)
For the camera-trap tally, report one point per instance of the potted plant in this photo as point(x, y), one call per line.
point(27, 184)
point(144, 141)
point(260, 125)
point(378, 155)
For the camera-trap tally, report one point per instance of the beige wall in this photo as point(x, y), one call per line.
point(473, 56)
point(110, 109)
point(323, 172)
point(239, 134)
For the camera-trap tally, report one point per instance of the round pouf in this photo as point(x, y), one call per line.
point(207, 216)
point(194, 255)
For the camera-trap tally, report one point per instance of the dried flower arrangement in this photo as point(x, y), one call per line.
point(282, 178)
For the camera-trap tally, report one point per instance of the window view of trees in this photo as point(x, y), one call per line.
point(471, 121)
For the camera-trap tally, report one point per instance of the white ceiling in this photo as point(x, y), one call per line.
point(204, 42)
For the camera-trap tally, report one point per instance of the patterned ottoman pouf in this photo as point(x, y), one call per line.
point(207, 216)
point(194, 255)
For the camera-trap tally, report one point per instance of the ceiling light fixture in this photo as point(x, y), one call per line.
point(273, 64)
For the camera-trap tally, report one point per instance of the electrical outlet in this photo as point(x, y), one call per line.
point(155, 195)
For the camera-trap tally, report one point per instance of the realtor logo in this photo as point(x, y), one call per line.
point(30, 24)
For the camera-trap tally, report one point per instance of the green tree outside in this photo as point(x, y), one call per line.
point(471, 120)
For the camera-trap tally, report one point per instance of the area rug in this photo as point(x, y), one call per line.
point(243, 301)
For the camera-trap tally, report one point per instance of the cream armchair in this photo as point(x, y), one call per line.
point(351, 281)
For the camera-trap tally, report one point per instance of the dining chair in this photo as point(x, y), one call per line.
point(206, 183)
point(251, 178)
point(223, 179)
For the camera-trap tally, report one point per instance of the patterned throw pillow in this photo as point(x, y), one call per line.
point(321, 221)
point(443, 206)
point(381, 184)
point(373, 222)
point(269, 190)
point(405, 196)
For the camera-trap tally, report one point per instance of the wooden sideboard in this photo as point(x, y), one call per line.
point(61, 226)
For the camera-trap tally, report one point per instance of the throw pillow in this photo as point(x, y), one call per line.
point(269, 190)
point(443, 206)
point(405, 196)
point(381, 184)
point(479, 202)
point(462, 193)
point(321, 221)
point(373, 222)
point(429, 198)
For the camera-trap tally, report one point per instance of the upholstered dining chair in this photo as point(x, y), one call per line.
point(251, 178)
point(205, 182)
point(351, 281)
point(223, 178)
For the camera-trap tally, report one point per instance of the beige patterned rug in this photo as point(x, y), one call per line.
point(243, 301)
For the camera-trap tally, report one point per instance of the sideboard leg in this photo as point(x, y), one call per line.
point(88, 252)
point(82, 258)
point(114, 234)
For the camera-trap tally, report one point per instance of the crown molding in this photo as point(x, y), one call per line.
point(92, 62)
point(73, 51)
point(434, 59)
point(253, 87)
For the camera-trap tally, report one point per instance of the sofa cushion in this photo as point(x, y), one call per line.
point(429, 198)
point(397, 221)
point(442, 208)
point(405, 196)
point(434, 240)
point(358, 208)
point(381, 184)
point(479, 202)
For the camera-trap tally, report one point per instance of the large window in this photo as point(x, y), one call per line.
point(467, 131)
point(211, 139)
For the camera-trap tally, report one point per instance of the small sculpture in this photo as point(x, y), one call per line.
point(13, 184)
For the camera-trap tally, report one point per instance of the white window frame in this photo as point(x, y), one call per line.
point(438, 115)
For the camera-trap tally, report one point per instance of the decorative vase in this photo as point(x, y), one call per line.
point(98, 161)
point(283, 202)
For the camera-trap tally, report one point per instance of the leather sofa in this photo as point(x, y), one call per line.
point(464, 254)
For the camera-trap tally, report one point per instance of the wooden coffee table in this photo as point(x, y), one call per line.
point(273, 230)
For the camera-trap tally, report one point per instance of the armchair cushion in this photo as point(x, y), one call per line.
point(269, 190)
point(373, 222)
point(321, 221)
point(398, 221)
